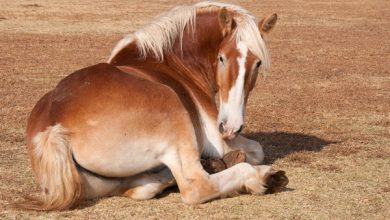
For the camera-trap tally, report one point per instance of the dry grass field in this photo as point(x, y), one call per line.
point(322, 114)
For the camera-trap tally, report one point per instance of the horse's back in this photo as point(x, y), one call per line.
point(119, 123)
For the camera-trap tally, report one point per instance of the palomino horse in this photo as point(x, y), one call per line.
point(142, 121)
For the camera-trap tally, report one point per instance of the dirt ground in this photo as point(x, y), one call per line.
point(322, 114)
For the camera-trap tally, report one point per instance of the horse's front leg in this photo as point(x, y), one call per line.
point(197, 186)
point(252, 149)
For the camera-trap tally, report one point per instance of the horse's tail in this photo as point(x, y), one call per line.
point(55, 169)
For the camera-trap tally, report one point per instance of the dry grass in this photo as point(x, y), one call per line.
point(322, 114)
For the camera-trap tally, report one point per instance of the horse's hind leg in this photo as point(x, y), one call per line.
point(141, 187)
point(147, 185)
point(96, 186)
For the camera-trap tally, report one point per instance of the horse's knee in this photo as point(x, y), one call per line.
point(200, 191)
point(190, 196)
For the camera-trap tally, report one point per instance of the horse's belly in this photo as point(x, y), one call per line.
point(120, 159)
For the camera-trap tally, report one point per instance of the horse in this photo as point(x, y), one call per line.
point(171, 93)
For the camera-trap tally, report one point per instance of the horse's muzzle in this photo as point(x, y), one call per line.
point(229, 134)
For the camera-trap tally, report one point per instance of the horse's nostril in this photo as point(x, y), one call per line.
point(240, 129)
point(221, 129)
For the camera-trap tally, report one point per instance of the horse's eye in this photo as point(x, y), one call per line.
point(220, 58)
point(258, 64)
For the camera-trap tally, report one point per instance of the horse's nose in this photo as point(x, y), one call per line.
point(221, 128)
point(239, 130)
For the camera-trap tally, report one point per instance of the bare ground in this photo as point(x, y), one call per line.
point(322, 114)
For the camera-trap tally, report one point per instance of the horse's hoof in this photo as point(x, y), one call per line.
point(234, 157)
point(275, 182)
point(213, 165)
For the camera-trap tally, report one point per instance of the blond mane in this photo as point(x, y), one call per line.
point(159, 35)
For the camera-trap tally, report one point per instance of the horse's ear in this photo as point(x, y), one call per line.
point(225, 21)
point(268, 23)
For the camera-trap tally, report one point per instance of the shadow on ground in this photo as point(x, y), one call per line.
point(280, 144)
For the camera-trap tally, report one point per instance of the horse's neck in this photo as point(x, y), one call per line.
point(197, 81)
point(198, 50)
point(190, 62)
point(195, 59)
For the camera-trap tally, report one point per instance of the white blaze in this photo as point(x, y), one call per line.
point(233, 110)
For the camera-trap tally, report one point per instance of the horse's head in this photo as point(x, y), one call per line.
point(237, 70)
